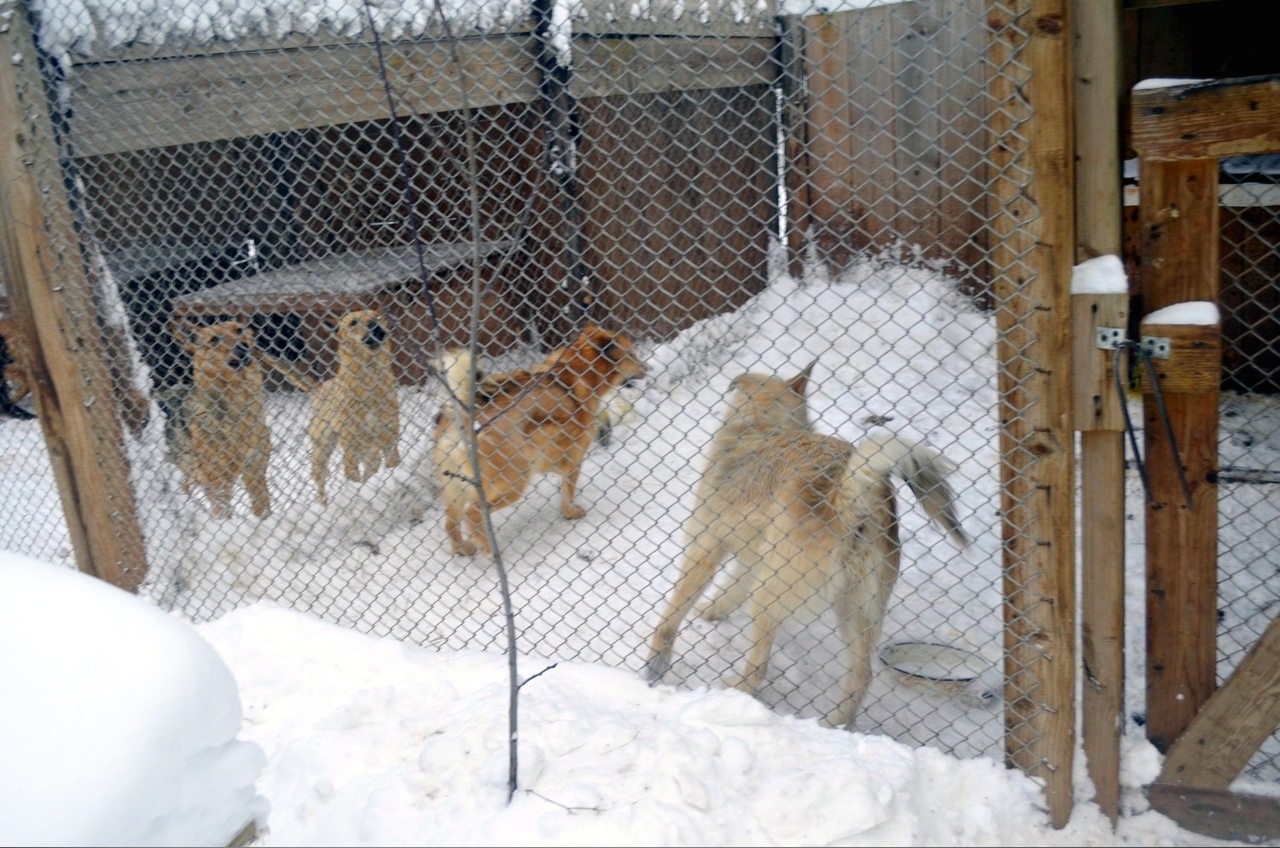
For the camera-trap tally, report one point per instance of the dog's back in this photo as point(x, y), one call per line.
point(527, 422)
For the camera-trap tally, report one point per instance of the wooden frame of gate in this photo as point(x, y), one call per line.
point(1179, 133)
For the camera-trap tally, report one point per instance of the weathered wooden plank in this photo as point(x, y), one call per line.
point(608, 67)
point(1102, 611)
point(1233, 723)
point(1179, 225)
point(963, 139)
point(916, 158)
point(1095, 404)
point(140, 105)
point(1234, 816)
point(122, 106)
point(1097, 409)
point(1032, 259)
point(1207, 120)
point(1194, 362)
point(53, 304)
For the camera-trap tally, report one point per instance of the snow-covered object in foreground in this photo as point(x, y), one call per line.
point(118, 722)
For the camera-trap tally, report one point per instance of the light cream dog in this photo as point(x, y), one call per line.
point(812, 522)
point(358, 409)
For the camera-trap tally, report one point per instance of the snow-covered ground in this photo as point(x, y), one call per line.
point(371, 741)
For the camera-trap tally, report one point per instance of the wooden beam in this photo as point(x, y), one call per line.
point(1233, 723)
point(1178, 209)
point(53, 303)
point(136, 105)
point(1032, 256)
point(1207, 120)
point(1234, 816)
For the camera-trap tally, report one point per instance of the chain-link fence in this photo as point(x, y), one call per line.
point(279, 221)
point(1249, 448)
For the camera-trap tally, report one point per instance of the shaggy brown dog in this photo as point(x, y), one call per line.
point(528, 422)
point(812, 522)
point(221, 435)
point(14, 385)
point(359, 408)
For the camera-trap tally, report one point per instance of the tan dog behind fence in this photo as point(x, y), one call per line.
point(812, 521)
point(221, 435)
point(358, 409)
point(527, 422)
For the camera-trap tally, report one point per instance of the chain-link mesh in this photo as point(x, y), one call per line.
point(734, 187)
point(1249, 446)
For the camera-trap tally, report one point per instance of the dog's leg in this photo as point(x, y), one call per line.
point(735, 591)
point(569, 490)
point(767, 615)
point(699, 567)
point(474, 520)
point(453, 517)
point(322, 444)
point(860, 630)
point(255, 478)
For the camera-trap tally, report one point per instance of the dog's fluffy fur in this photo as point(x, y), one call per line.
point(811, 520)
point(14, 385)
point(527, 422)
point(358, 409)
point(221, 434)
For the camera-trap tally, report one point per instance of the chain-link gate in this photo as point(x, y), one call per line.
point(1249, 446)
point(282, 218)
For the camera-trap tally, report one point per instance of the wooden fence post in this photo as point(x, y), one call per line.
point(1032, 258)
point(1096, 407)
point(53, 303)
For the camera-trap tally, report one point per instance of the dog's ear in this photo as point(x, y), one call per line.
point(801, 380)
point(183, 335)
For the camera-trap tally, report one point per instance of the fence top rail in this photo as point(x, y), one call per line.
point(89, 31)
point(1207, 119)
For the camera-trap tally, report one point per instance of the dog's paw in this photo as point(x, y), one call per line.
point(655, 668)
point(739, 682)
point(573, 512)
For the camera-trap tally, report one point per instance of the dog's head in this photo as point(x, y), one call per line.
point(609, 354)
point(220, 350)
point(766, 402)
point(362, 328)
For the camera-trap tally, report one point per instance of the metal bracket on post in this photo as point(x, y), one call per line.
point(1110, 338)
point(1157, 347)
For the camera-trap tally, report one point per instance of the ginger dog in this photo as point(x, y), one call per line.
point(527, 422)
point(14, 385)
point(358, 409)
point(221, 436)
point(811, 519)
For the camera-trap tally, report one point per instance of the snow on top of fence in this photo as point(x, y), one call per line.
point(1197, 312)
point(1165, 83)
point(79, 26)
point(88, 27)
point(1100, 275)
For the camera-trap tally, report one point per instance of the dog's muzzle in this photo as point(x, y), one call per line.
point(375, 336)
point(241, 356)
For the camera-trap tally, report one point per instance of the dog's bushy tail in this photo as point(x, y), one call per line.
point(458, 372)
point(923, 469)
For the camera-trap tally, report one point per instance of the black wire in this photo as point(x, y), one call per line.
point(1162, 412)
